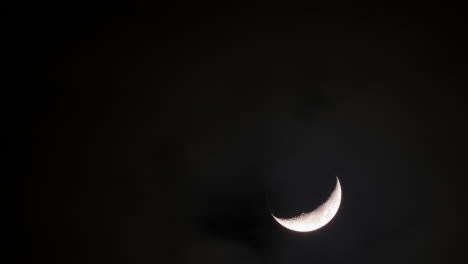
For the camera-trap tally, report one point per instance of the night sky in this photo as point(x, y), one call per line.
point(154, 134)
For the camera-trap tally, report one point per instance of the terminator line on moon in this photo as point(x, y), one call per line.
point(318, 217)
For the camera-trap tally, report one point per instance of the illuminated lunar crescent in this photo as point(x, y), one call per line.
point(316, 218)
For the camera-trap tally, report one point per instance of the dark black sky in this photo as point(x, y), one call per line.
point(168, 134)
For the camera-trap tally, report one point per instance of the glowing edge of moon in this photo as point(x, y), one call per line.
point(318, 217)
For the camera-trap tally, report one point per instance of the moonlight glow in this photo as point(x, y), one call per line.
point(317, 218)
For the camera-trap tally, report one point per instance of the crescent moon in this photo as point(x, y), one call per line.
point(318, 217)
